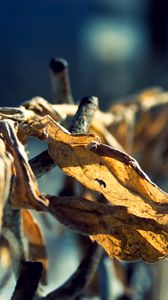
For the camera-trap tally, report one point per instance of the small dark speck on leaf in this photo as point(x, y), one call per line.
point(101, 182)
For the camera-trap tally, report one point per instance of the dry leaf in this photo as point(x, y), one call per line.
point(118, 177)
point(30, 110)
point(36, 243)
point(122, 234)
point(5, 177)
point(104, 169)
point(23, 179)
point(134, 228)
point(19, 114)
point(41, 107)
point(25, 193)
point(98, 128)
point(138, 124)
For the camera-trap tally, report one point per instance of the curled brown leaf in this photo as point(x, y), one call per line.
point(23, 178)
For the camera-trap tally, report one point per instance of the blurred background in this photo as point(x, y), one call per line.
point(114, 48)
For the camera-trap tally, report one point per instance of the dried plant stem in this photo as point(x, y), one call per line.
point(5, 279)
point(82, 277)
point(84, 115)
point(78, 282)
point(80, 124)
point(42, 163)
point(60, 81)
point(11, 219)
point(28, 280)
point(9, 241)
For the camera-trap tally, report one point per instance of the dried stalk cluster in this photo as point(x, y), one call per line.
point(128, 216)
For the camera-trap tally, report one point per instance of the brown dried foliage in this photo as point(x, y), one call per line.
point(130, 220)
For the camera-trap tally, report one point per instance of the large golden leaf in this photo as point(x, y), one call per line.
point(119, 178)
point(104, 169)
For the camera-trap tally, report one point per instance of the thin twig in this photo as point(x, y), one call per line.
point(78, 282)
point(43, 163)
point(60, 81)
point(28, 280)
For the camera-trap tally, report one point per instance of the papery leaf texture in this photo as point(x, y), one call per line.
point(119, 178)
